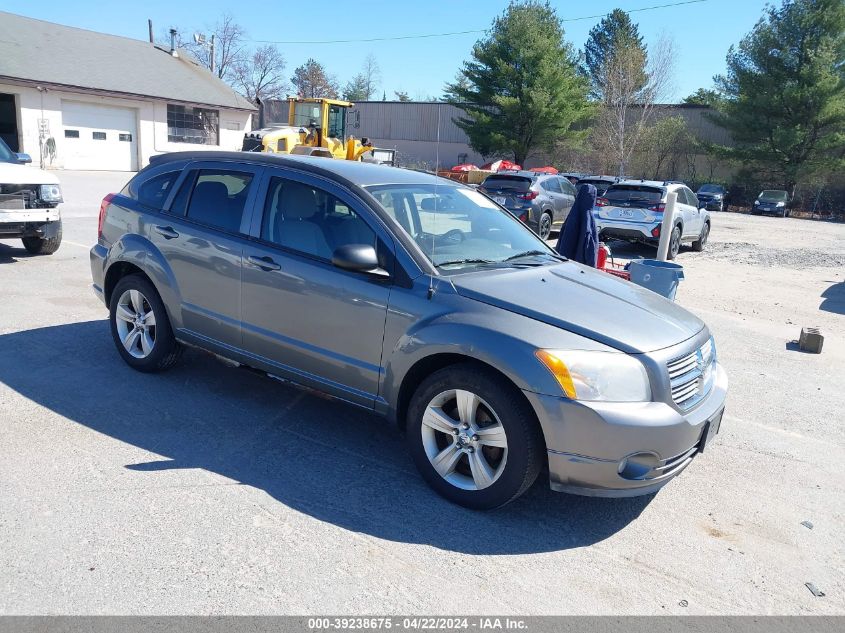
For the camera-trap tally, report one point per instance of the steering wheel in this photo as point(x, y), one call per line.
point(455, 235)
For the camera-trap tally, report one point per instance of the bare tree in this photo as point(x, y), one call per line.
point(261, 76)
point(371, 74)
point(633, 83)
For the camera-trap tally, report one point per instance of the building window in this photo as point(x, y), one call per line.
point(71, 133)
point(99, 136)
point(192, 125)
point(125, 137)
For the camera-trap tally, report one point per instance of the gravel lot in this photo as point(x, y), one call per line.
point(210, 490)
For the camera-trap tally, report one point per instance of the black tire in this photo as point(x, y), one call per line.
point(42, 245)
point(674, 243)
point(700, 243)
point(544, 225)
point(525, 447)
point(165, 350)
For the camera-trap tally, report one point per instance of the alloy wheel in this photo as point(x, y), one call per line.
point(545, 228)
point(464, 439)
point(136, 324)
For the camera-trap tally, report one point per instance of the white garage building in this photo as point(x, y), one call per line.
point(77, 99)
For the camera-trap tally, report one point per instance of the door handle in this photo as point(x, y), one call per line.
point(166, 232)
point(264, 263)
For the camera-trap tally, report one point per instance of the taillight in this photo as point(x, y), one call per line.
point(601, 202)
point(528, 195)
point(657, 208)
point(524, 217)
point(103, 206)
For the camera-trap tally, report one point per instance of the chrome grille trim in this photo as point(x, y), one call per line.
point(691, 377)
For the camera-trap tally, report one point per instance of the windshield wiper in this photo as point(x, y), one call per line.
point(455, 262)
point(533, 253)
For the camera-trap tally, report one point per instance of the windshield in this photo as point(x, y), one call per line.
point(710, 189)
point(773, 195)
point(459, 227)
point(306, 114)
point(7, 155)
point(633, 193)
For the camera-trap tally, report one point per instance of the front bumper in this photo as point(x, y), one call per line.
point(623, 230)
point(591, 444)
point(711, 205)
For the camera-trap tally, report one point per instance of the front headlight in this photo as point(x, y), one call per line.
point(592, 376)
point(50, 193)
point(780, 204)
point(756, 203)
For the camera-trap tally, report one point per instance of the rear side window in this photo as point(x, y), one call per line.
point(551, 184)
point(154, 191)
point(517, 183)
point(218, 198)
point(633, 193)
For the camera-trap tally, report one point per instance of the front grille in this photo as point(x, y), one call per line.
point(18, 196)
point(691, 376)
point(252, 145)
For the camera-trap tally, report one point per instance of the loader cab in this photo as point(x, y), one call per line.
point(326, 115)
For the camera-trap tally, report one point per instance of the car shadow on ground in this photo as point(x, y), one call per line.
point(329, 460)
point(10, 254)
point(834, 298)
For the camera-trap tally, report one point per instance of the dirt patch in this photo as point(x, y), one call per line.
point(757, 255)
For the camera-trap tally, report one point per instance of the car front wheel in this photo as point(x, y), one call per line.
point(699, 244)
point(473, 437)
point(140, 327)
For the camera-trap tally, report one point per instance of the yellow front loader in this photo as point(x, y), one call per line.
point(316, 127)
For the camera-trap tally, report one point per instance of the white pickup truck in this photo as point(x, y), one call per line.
point(29, 198)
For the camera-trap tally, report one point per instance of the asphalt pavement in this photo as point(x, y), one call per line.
point(212, 490)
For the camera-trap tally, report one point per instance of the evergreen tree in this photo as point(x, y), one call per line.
point(311, 81)
point(784, 92)
point(614, 34)
point(522, 89)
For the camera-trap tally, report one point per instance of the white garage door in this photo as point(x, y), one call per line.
point(98, 137)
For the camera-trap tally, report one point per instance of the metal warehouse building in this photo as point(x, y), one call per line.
point(413, 128)
point(77, 99)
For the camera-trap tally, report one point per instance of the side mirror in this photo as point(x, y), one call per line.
point(360, 258)
point(24, 158)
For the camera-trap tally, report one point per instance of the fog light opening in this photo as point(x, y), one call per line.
point(638, 466)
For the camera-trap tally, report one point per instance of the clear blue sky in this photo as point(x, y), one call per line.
point(702, 32)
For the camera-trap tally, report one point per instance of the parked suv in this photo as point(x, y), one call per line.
point(633, 210)
point(28, 201)
point(495, 355)
point(601, 183)
point(713, 197)
point(772, 201)
point(539, 200)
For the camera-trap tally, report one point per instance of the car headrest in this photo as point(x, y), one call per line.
point(298, 202)
point(209, 193)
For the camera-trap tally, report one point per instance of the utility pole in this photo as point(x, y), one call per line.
point(212, 53)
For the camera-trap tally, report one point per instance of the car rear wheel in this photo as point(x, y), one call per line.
point(699, 244)
point(674, 243)
point(544, 228)
point(473, 438)
point(140, 327)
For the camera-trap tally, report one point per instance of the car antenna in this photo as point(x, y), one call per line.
point(434, 221)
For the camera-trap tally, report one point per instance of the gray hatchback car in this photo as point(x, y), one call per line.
point(419, 299)
point(539, 200)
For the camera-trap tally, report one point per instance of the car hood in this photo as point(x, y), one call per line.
point(584, 301)
point(18, 174)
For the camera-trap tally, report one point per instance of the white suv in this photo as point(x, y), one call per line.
point(28, 201)
point(633, 210)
